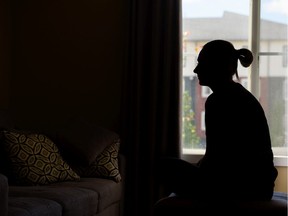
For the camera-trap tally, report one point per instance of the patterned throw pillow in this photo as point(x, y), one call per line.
point(105, 164)
point(35, 159)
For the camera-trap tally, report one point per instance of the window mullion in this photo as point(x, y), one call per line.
point(254, 43)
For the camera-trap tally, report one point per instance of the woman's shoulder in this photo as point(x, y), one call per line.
point(244, 94)
point(235, 97)
point(246, 101)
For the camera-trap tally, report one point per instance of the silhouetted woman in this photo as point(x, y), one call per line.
point(238, 162)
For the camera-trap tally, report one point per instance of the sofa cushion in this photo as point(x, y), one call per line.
point(108, 191)
point(105, 165)
point(35, 159)
point(31, 206)
point(3, 195)
point(74, 201)
point(182, 206)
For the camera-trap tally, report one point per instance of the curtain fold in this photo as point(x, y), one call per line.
point(151, 114)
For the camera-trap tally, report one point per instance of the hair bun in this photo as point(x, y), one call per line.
point(245, 56)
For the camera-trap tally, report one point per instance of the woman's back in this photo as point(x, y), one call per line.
point(238, 145)
point(238, 162)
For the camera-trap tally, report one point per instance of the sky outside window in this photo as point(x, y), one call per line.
point(204, 20)
point(273, 10)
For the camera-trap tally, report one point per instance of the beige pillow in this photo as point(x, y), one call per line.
point(105, 165)
point(35, 159)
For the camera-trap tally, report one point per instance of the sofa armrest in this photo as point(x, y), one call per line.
point(122, 169)
point(3, 195)
point(122, 165)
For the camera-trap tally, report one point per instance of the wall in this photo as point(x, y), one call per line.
point(281, 181)
point(5, 55)
point(67, 60)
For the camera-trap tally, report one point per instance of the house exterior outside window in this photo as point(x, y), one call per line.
point(273, 73)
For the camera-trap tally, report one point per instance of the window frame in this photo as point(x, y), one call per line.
point(285, 56)
point(205, 91)
point(203, 126)
point(193, 155)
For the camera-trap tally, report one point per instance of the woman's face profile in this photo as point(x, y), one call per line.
point(204, 69)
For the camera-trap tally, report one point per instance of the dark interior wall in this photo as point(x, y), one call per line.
point(67, 60)
point(5, 53)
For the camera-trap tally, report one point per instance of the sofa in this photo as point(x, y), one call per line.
point(182, 206)
point(75, 171)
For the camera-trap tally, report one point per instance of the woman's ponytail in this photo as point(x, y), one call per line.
point(245, 57)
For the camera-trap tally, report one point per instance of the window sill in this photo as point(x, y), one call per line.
point(194, 155)
point(281, 161)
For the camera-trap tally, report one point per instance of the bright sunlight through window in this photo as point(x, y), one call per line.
point(230, 20)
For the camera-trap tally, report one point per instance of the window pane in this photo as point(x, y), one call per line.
point(273, 71)
point(206, 20)
point(203, 21)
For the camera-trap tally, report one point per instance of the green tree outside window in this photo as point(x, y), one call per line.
point(189, 135)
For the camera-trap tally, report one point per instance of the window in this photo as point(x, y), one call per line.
point(203, 121)
point(244, 82)
point(205, 91)
point(285, 56)
point(266, 35)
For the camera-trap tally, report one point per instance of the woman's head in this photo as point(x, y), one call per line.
point(218, 62)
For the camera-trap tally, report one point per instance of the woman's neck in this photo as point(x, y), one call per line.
point(222, 86)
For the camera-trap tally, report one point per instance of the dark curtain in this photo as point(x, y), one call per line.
point(151, 114)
